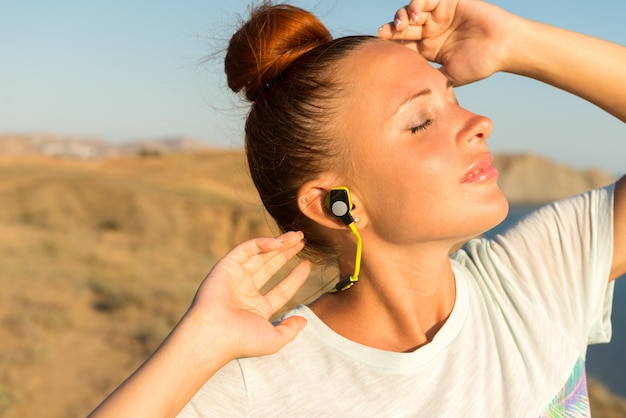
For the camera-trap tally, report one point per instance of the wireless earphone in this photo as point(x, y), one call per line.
point(339, 203)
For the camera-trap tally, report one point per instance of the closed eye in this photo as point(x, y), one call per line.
point(421, 127)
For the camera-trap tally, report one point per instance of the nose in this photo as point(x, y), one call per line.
point(476, 128)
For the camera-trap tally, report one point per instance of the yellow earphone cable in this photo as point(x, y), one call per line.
point(349, 281)
point(359, 250)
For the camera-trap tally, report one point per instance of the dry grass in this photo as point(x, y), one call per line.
point(99, 259)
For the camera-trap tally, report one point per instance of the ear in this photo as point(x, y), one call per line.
point(311, 202)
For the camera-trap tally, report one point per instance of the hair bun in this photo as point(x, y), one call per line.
point(272, 39)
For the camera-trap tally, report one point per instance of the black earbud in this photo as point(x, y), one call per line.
point(339, 203)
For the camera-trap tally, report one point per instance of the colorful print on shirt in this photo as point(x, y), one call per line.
point(573, 400)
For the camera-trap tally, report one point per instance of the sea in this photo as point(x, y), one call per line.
point(605, 362)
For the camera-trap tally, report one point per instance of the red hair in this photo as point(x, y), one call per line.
point(273, 38)
point(284, 60)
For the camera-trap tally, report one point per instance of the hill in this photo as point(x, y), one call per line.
point(527, 178)
point(99, 258)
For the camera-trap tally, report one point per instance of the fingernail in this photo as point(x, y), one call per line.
point(397, 22)
point(414, 17)
point(279, 240)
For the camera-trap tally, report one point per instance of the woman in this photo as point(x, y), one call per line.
point(360, 140)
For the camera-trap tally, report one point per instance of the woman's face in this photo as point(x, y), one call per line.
point(419, 163)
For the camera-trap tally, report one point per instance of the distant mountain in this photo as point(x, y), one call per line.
point(89, 148)
point(163, 146)
point(524, 178)
point(527, 178)
point(54, 145)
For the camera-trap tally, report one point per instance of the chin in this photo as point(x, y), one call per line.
point(491, 215)
point(495, 214)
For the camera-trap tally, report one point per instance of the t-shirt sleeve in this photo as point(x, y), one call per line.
point(557, 260)
point(224, 395)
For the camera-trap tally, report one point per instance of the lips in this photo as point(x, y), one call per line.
point(480, 170)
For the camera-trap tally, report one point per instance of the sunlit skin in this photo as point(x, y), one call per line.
point(412, 147)
point(421, 180)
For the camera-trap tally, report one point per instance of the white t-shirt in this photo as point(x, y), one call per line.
point(527, 304)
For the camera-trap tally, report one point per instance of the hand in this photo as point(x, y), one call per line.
point(229, 302)
point(467, 37)
point(228, 319)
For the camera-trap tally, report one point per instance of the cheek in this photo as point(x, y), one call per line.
point(426, 171)
point(406, 187)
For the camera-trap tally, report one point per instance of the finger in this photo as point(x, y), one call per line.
point(254, 248)
point(281, 242)
point(265, 270)
point(410, 34)
point(414, 13)
point(414, 10)
point(401, 19)
point(386, 31)
point(280, 294)
point(260, 258)
point(286, 242)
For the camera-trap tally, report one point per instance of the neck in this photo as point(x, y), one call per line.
point(399, 303)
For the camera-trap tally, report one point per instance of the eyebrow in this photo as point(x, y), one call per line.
point(425, 92)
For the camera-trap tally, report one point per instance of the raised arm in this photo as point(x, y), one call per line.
point(588, 67)
point(228, 319)
point(473, 39)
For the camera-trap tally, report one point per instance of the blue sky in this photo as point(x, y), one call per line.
point(122, 70)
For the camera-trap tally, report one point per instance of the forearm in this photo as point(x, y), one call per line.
point(588, 67)
point(228, 319)
point(618, 267)
point(169, 378)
